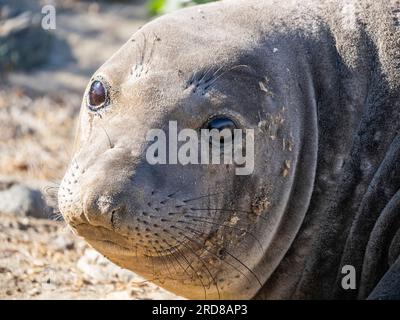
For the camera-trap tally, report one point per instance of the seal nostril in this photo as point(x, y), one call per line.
point(221, 253)
point(113, 215)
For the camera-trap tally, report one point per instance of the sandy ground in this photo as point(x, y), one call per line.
point(39, 258)
point(38, 109)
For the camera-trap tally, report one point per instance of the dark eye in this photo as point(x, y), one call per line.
point(97, 95)
point(221, 123)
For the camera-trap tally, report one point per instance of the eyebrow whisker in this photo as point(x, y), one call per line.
point(108, 137)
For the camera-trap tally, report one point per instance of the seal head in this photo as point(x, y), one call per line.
point(199, 230)
point(324, 190)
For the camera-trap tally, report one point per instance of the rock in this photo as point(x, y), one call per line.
point(23, 201)
point(98, 268)
point(63, 242)
point(119, 295)
point(23, 43)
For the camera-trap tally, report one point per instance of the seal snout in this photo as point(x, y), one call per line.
point(101, 210)
point(93, 195)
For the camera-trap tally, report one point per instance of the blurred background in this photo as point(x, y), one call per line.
point(43, 74)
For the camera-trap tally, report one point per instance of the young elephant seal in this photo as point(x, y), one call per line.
point(318, 82)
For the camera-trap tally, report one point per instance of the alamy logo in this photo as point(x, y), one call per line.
point(205, 147)
point(49, 19)
point(349, 280)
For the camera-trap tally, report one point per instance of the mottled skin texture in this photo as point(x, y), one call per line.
point(318, 81)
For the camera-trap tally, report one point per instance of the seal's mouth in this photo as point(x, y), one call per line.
point(106, 240)
point(110, 247)
point(112, 243)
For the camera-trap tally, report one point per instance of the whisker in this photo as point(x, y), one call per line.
point(170, 196)
point(245, 266)
point(56, 217)
point(202, 262)
point(193, 231)
point(224, 226)
point(148, 257)
point(202, 197)
point(227, 210)
point(205, 74)
point(150, 55)
point(194, 272)
point(171, 252)
point(174, 193)
point(165, 253)
point(216, 73)
point(219, 209)
point(189, 264)
point(223, 73)
point(108, 137)
point(177, 260)
point(143, 49)
point(76, 163)
point(51, 188)
point(162, 257)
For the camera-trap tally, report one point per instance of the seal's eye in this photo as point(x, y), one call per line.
point(222, 124)
point(97, 95)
